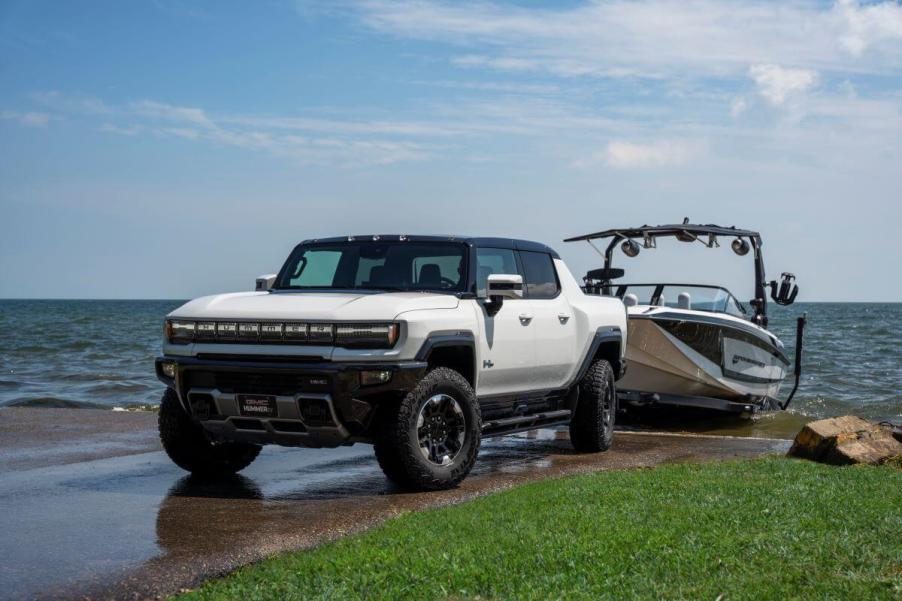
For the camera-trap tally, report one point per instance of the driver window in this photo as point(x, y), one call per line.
point(493, 260)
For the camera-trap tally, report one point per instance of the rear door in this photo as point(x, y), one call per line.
point(507, 338)
point(553, 323)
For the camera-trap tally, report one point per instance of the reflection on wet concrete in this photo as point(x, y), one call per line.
point(764, 424)
point(136, 526)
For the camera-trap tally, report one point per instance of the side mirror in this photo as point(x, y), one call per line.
point(265, 283)
point(500, 286)
point(504, 285)
point(785, 293)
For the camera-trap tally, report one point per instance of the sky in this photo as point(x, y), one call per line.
point(170, 149)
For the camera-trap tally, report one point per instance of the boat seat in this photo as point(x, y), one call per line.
point(630, 300)
point(683, 301)
point(662, 302)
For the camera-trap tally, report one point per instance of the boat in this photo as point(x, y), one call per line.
point(697, 345)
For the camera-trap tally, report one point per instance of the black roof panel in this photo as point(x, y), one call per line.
point(512, 243)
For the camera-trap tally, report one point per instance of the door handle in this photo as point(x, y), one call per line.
point(563, 317)
point(525, 317)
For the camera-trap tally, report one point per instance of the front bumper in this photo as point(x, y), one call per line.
point(318, 403)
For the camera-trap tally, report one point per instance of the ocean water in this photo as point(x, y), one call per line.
point(100, 353)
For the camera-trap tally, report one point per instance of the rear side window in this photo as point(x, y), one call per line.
point(493, 260)
point(541, 278)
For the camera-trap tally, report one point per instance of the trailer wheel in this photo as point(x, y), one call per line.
point(592, 425)
point(190, 449)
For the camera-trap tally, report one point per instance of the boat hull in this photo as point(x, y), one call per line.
point(687, 355)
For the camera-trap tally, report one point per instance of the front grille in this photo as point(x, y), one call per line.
point(256, 382)
point(259, 358)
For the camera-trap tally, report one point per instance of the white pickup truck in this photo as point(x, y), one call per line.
point(419, 345)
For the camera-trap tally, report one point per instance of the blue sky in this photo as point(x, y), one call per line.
point(172, 148)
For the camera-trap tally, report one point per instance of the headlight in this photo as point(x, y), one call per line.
point(350, 335)
point(366, 335)
point(179, 332)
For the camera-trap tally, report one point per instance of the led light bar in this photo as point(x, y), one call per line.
point(206, 330)
point(295, 331)
point(347, 335)
point(226, 330)
point(248, 331)
point(320, 332)
point(271, 331)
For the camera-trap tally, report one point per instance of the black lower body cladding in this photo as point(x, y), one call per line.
point(327, 397)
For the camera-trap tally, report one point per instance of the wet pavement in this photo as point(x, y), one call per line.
point(91, 507)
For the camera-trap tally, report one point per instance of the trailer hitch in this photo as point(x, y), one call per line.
point(800, 331)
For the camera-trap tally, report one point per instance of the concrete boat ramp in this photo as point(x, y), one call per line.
point(90, 506)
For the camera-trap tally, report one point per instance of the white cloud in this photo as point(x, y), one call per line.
point(86, 105)
point(111, 128)
point(493, 86)
point(653, 38)
point(150, 108)
point(182, 132)
point(620, 154)
point(738, 106)
point(867, 25)
point(29, 118)
point(776, 84)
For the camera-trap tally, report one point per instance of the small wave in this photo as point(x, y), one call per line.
point(54, 403)
point(34, 349)
point(137, 407)
point(78, 345)
point(124, 387)
point(92, 377)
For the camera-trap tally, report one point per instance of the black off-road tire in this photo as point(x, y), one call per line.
point(190, 449)
point(397, 443)
point(592, 425)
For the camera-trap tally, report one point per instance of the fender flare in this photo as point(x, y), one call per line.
point(438, 340)
point(603, 335)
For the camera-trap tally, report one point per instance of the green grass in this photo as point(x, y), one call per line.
point(765, 529)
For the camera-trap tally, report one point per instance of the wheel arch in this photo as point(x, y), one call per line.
point(606, 344)
point(455, 351)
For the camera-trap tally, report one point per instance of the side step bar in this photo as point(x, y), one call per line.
point(510, 425)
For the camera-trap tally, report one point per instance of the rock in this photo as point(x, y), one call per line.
point(846, 440)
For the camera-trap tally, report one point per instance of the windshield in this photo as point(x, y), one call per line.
point(434, 266)
point(682, 296)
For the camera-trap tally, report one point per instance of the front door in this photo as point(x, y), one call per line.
point(506, 338)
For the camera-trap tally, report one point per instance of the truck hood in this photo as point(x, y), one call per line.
point(318, 306)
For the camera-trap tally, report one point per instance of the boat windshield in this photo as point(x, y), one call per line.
point(682, 296)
